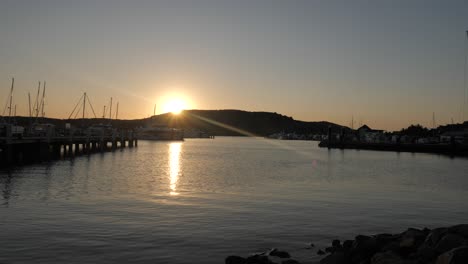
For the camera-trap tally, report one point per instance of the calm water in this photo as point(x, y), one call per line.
point(201, 200)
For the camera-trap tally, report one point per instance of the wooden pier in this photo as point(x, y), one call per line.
point(28, 149)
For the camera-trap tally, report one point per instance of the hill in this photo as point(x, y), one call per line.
point(214, 122)
point(237, 122)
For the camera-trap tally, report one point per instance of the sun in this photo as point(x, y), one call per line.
point(175, 106)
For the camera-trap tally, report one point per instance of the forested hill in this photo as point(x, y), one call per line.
point(214, 122)
point(237, 122)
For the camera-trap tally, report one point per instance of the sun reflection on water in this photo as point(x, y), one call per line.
point(174, 165)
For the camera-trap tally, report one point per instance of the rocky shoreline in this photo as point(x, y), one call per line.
point(445, 245)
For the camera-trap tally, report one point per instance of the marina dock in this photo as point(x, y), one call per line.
point(16, 149)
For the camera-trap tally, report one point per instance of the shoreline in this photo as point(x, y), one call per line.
point(443, 245)
point(441, 149)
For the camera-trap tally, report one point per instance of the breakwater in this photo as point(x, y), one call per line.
point(445, 245)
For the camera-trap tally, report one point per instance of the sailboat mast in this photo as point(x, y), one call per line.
point(11, 95)
point(29, 100)
point(117, 111)
point(36, 104)
point(84, 105)
point(464, 79)
point(110, 109)
point(43, 99)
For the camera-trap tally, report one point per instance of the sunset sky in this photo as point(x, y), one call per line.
point(387, 63)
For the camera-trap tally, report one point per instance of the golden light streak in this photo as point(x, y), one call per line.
point(174, 166)
point(276, 143)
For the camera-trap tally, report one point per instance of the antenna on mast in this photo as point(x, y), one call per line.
point(154, 111)
point(104, 112)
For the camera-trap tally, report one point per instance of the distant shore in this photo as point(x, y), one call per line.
point(444, 149)
point(445, 245)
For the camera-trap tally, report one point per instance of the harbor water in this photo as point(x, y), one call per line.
point(200, 200)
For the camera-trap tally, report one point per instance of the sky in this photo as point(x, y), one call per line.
point(387, 64)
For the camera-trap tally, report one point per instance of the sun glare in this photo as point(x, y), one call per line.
point(175, 106)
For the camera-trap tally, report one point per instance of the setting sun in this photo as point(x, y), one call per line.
point(175, 106)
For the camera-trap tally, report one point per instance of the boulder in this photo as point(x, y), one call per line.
point(434, 236)
point(383, 239)
point(336, 243)
point(425, 254)
point(448, 242)
point(461, 230)
point(290, 261)
point(280, 254)
point(320, 252)
point(388, 258)
point(257, 259)
point(235, 260)
point(363, 248)
point(455, 256)
point(412, 238)
point(347, 244)
point(335, 258)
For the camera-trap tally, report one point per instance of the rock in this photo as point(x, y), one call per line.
point(387, 242)
point(290, 261)
point(434, 236)
point(425, 254)
point(336, 243)
point(330, 249)
point(409, 242)
point(385, 238)
point(361, 238)
point(335, 258)
point(365, 243)
point(277, 253)
point(412, 238)
point(320, 252)
point(388, 258)
point(461, 230)
point(310, 246)
point(448, 242)
point(235, 260)
point(391, 246)
point(455, 256)
point(347, 244)
point(363, 248)
point(257, 259)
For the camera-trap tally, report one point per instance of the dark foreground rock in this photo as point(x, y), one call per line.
point(413, 246)
point(262, 258)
